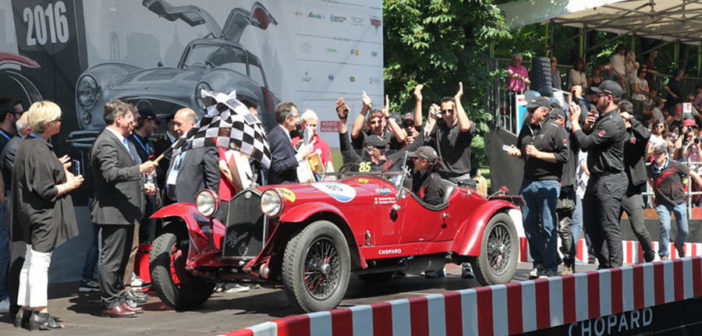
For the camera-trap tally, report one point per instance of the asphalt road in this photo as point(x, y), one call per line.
point(225, 312)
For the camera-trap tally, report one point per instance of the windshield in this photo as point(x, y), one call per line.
point(216, 55)
point(386, 164)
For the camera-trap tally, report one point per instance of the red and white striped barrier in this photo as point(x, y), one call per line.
point(516, 307)
point(631, 250)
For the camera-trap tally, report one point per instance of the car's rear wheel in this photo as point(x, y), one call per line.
point(174, 285)
point(499, 252)
point(316, 267)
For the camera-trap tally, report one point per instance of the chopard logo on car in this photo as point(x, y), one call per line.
point(389, 251)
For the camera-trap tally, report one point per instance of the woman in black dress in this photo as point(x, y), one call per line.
point(43, 212)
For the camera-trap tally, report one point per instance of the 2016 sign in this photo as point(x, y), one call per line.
point(44, 23)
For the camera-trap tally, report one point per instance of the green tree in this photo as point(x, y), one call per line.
point(439, 43)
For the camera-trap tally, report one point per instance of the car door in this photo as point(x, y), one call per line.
point(418, 223)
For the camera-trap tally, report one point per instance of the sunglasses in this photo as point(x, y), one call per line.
point(449, 111)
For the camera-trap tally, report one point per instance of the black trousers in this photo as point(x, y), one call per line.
point(564, 211)
point(114, 253)
point(632, 204)
point(17, 251)
point(601, 207)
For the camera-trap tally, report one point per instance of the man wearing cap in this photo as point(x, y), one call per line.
point(373, 158)
point(665, 176)
point(603, 139)
point(637, 136)
point(543, 144)
point(426, 183)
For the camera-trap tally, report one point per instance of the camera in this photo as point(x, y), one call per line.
point(697, 141)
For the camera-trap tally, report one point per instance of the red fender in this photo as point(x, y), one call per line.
point(194, 221)
point(306, 210)
point(18, 60)
point(468, 238)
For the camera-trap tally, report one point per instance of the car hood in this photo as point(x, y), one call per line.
point(150, 79)
point(354, 190)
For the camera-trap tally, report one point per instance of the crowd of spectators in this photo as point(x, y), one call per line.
point(631, 149)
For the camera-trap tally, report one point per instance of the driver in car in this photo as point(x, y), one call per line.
point(426, 181)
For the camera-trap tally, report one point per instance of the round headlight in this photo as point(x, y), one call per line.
point(87, 91)
point(271, 203)
point(198, 94)
point(207, 203)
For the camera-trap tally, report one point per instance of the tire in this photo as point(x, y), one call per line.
point(499, 252)
point(174, 285)
point(321, 250)
point(375, 278)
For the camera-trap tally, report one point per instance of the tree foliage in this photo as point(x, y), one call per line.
point(439, 43)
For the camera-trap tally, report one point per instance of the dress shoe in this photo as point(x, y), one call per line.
point(136, 297)
point(132, 307)
point(118, 311)
point(22, 318)
point(43, 321)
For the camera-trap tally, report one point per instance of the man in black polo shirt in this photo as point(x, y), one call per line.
point(603, 138)
point(452, 136)
point(543, 144)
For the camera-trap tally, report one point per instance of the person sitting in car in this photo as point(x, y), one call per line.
point(426, 181)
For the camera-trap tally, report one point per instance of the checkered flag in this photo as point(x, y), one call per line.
point(228, 124)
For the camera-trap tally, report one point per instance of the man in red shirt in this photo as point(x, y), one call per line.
point(310, 119)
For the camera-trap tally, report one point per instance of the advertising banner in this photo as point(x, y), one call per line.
point(160, 53)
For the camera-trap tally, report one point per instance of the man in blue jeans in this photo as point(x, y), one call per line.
point(666, 178)
point(543, 144)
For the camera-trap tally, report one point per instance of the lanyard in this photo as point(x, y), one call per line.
point(145, 148)
point(4, 134)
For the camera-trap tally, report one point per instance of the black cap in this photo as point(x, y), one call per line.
point(147, 114)
point(374, 141)
point(609, 87)
point(539, 102)
point(408, 116)
point(424, 152)
point(557, 112)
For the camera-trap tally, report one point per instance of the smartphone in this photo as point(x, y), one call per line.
point(507, 148)
point(76, 167)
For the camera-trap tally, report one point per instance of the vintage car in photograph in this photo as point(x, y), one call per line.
point(216, 62)
point(312, 237)
point(14, 83)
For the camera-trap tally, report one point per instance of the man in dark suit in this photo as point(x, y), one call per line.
point(194, 169)
point(119, 204)
point(285, 160)
point(17, 249)
point(160, 145)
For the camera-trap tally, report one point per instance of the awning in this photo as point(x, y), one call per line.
point(669, 20)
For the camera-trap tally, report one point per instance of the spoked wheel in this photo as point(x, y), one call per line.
point(174, 285)
point(317, 267)
point(497, 261)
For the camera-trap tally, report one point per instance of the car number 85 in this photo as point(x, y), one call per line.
point(364, 167)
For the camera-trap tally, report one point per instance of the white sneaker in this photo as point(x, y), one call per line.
point(5, 306)
point(138, 282)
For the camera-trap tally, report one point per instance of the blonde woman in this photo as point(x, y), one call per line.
point(43, 212)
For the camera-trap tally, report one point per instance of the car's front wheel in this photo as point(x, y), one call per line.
point(316, 267)
point(499, 252)
point(174, 285)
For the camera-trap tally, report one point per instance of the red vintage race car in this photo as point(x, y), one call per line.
point(311, 237)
